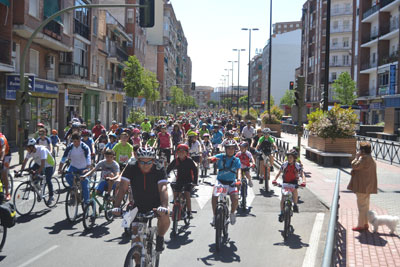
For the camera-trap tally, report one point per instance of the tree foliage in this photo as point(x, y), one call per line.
point(345, 89)
point(243, 101)
point(288, 98)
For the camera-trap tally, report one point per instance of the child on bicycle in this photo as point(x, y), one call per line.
point(152, 140)
point(109, 174)
point(55, 140)
point(246, 161)
point(291, 172)
point(187, 174)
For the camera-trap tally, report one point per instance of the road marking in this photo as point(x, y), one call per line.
point(311, 252)
point(250, 195)
point(38, 256)
point(204, 193)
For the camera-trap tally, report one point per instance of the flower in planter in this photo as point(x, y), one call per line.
point(275, 118)
point(335, 123)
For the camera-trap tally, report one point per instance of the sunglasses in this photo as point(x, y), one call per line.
point(145, 162)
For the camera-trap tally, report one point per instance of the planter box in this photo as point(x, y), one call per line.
point(344, 145)
point(274, 127)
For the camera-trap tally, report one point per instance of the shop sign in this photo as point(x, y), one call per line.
point(13, 84)
point(119, 98)
point(392, 82)
point(44, 87)
point(383, 91)
point(375, 105)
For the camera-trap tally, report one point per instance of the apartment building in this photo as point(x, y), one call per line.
point(376, 42)
point(282, 27)
point(313, 46)
point(285, 59)
point(256, 80)
point(202, 95)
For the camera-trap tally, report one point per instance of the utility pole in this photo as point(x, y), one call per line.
point(299, 102)
point(327, 46)
point(238, 92)
point(231, 103)
point(270, 59)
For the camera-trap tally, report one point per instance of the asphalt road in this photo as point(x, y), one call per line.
point(45, 238)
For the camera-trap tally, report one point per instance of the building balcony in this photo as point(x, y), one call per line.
point(370, 12)
point(5, 57)
point(368, 67)
point(387, 5)
point(341, 12)
point(371, 40)
point(339, 64)
point(72, 69)
point(393, 57)
point(81, 29)
point(341, 30)
point(390, 31)
point(53, 29)
point(116, 53)
point(339, 47)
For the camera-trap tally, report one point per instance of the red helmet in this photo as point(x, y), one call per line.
point(136, 130)
point(85, 133)
point(40, 124)
point(183, 146)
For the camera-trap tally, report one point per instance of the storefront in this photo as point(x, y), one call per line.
point(91, 110)
point(114, 107)
point(73, 102)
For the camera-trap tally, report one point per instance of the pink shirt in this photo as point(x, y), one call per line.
point(136, 140)
point(164, 140)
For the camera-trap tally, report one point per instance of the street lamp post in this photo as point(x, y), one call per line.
point(238, 93)
point(248, 85)
point(270, 59)
point(227, 84)
point(231, 106)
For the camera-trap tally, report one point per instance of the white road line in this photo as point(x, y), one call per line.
point(38, 256)
point(250, 195)
point(204, 193)
point(311, 252)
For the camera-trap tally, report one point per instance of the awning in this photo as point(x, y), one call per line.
point(5, 2)
point(51, 7)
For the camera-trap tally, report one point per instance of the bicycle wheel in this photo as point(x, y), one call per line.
point(219, 221)
point(10, 184)
point(187, 217)
point(63, 173)
point(92, 182)
point(3, 236)
point(56, 193)
point(89, 215)
point(266, 182)
point(243, 194)
point(24, 198)
point(286, 228)
point(71, 205)
point(134, 252)
point(175, 214)
point(108, 206)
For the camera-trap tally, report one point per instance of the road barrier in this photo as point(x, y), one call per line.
point(283, 147)
point(385, 150)
point(330, 252)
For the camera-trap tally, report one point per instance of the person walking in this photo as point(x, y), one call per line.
point(363, 183)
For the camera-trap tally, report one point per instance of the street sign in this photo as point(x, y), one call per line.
point(13, 85)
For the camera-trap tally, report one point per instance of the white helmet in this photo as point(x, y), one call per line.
point(31, 142)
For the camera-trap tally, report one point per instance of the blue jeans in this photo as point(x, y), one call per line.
point(85, 183)
point(48, 172)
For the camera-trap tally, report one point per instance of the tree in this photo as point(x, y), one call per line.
point(133, 81)
point(243, 101)
point(177, 97)
point(344, 89)
point(212, 103)
point(288, 98)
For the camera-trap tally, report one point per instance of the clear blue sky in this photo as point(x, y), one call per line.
point(213, 29)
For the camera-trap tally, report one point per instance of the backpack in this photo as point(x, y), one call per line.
point(224, 165)
point(7, 215)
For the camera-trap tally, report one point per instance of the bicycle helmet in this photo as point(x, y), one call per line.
point(113, 135)
point(85, 133)
point(292, 152)
point(163, 125)
point(152, 134)
point(266, 131)
point(76, 125)
point(183, 146)
point(206, 135)
point(229, 133)
point(146, 152)
point(114, 122)
point(192, 134)
point(54, 131)
point(30, 142)
point(244, 144)
point(136, 130)
point(230, 143)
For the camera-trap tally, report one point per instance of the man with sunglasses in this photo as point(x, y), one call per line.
point(149, 189)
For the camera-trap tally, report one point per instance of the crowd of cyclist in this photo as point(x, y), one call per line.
point(142, 156)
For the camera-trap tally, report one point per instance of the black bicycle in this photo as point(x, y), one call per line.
point(179, 211)
point(243, 191)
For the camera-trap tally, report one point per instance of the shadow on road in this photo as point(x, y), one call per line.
point(62, 225)
point(241, 212)
point(374, 239)
point(124, 239)
point(97, 231)
point(293, 241)
point(179, 240)
point(32, 216)
point(227, 254)
point(270, 193)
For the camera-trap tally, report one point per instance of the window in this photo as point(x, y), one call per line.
point(129, 15)
point(345, 60)
point(34, 62)
point(94, 65)
point(346, 41)
point(95, 25)
point(347, 7)
point(335, 59)
point(285, 26)
point(383, 79)
point(346, 25)
point(336, 24)
point(34, 8)
point(80, 53)
point(297, 25)
point(333, 76)
point(335, 9)
point(334, 42)
point(67, 23)
point(373, 57)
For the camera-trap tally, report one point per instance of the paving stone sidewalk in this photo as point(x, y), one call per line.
point(366, 248)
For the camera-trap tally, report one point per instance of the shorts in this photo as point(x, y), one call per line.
point(179, 187)
point(6, 163)
point(232, 188)
point(246, 169)
point(266, 157)
point(295, 182)
point(103, 185)
point(148, 206)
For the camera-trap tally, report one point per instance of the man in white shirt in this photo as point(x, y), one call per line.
point(43, 161)
point(248, 132)
point(79, 154)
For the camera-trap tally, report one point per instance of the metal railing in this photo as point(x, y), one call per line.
point(330, 251)
point(283, 147)
point(385, 150)
point(370, 11)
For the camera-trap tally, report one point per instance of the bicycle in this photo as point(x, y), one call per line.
point(221, 213)
point(144, 248)
point(3, 228)
point(64, 171)
point(89, 212)
point(74, 198)
point(10, 180)
point(204, 165)
point(34, 189)
point(215, 151)
point(99, 151)
point(243, 190)
point(287, 195)
point(179, 211)
point(266, 172)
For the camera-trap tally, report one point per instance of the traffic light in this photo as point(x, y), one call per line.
point(24, 95)
point(146, 14)
point(299, 93)
point(291, 85)
point(193, 86)
point(263, 104)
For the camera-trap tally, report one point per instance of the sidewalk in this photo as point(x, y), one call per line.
point(358, 249)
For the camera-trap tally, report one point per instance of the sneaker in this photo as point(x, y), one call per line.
point(271, 168)
point(232, 218)
point(261, 180)
point(159, 243)
point(50, 201)
point(190, 215)
point(250, 183)
point(107, 197)
point(8, 197)
point(280, 218)
point(295, 208)
point(213, 221)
